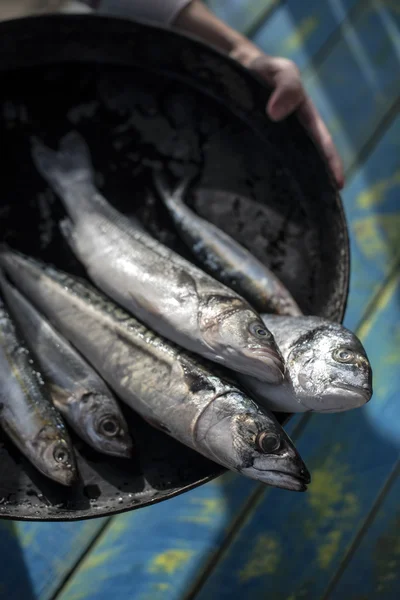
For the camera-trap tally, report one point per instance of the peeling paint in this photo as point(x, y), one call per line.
point(97, 559)
point(264, 558)
point(210, 510)
point(376, 194)
point(170, 561)
point(301, 35)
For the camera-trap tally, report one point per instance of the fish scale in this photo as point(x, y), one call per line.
point(315, 380)
point(75, 388)
point(26, 412)
point(165, 385)
point(158, 286)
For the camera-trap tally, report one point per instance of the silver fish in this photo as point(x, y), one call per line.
point(158, 286)
point(167, 386)
point(26, 413)
point(223, 257)
point(75, 388)
point(327, 368)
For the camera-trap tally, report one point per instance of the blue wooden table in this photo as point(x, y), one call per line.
point(234, 538)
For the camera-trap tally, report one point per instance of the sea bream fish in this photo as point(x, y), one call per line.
point(76, 390)
point(162, 289)
point(223, 257)
point(327, 368)
point(169, 387)
point(26, 413)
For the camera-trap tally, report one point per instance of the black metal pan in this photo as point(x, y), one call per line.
point(143, 95)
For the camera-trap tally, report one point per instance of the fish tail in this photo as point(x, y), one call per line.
point(170, 197)
point(70, 164)
point(161, 186)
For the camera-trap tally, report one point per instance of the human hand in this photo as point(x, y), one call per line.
point(290, 96)
point(282, 75)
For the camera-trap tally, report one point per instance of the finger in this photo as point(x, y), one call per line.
point(311, 120)
point(285, 99)
point(284, 77)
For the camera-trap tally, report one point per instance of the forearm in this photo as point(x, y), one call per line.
point(197, 19)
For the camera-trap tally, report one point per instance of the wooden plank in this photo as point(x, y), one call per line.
point(242, 16)
point(36, 557)
point(374, 570)
point(298, 30)
point(357, 82)
point(290, 545)
point(207, 545)
point(371, 202)
point(204, 552)
point(153, 553)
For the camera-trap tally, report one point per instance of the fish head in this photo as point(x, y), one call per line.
point(246, 345)
point(55, 456)
point(248, 439)
point(104, 425)
point(330, 370)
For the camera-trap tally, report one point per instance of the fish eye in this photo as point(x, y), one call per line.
point(268, 442)
point(61, 454)
point(259, 331)
point(343, 355)
point(109, 427)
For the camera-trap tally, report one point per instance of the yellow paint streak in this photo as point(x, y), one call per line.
point(382, 302)
point(27, 538)
point(392, 5)
point(378, 235)
point(170, 561)
point(97, 559)
point(303, 32)
point(328, 549)
point(119, 525)
point(375, 195)
point(210, 508)
point(332, 505)
point(264, 559)
point(163, 586)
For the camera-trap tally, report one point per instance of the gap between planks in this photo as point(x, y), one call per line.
point(215, 558)
point(367, 149)
point(363, 155)
point(253, 29)
point(65, 579)
point(354, 545)
point(236, 524)
point(332, 40)
point(365, 152)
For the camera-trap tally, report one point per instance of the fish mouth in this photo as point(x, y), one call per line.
point(67, 477)
point(268, 365)
point(356, 396)
point(118, 450)
point(281, 479)
point(365, 392)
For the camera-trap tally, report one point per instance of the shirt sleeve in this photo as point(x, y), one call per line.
point(158, 11)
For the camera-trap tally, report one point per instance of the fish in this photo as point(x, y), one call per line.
point(327, 368)
point(76, 390)
point(27, 415)
point(162, 289)
point(174, 390)
point(224, 258)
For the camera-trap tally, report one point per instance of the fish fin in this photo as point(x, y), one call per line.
point(59, 396)
point(67, 231)
point(69, 164)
